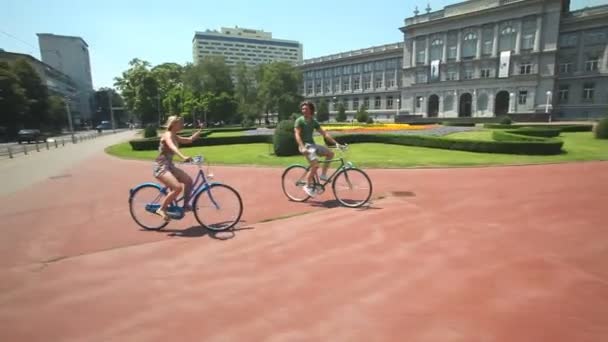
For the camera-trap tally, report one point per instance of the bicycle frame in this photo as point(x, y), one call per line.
point(343, 165)
point(198, 186)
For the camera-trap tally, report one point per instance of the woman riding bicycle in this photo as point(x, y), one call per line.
point(304, 128)
point(166, 172)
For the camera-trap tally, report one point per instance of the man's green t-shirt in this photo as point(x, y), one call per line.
point(307, 129)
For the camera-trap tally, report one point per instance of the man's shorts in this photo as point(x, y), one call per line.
point(313, 151)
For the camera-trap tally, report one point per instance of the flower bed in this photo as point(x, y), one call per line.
point(358, 128)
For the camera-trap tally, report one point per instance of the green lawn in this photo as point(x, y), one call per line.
point(578, 146)
point(484, 135)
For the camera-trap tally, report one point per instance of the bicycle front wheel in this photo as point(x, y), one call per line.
point(218, 208)
point(143, 204)
point(293, 182)
point(352, 187)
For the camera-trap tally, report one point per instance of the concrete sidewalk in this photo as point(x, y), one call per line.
point(24, 171)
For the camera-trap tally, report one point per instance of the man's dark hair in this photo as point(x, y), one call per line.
point(310, 105)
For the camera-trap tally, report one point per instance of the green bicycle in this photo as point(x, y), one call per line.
point(351, 186)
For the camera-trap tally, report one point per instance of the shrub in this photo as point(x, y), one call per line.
point(511, 144)
point(151, 144)
point(284, 141)
point(341, 116)
point(458, 124)
point(370, 120)
point(150, 131)
point(536, 132)
point(601, 129)
point(506, 121)
point(362, 115)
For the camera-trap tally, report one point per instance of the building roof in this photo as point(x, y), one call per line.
point(370, 51)
point(61, 36)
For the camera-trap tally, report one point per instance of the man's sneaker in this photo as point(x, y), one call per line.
point(309, 191)
point(324, 178)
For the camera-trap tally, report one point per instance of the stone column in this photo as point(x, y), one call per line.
point(441, 108)
point(539, 32)
point(414, 52)
point(518, 27)
point(580, 65)
point(427, 56)
point(479, 40)
point(458, 46)
point(495, 41)
point(491, 101)
point(444, 56)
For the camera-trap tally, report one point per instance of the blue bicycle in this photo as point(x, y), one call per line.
point(216, 206)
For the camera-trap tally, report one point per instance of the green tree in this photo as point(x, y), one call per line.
point(57, 112)
point(140, 91)
point(13, 101)
point(362, 115)
point(323, 111)
point(279, 84)
point(36, 93)
point(245, 94)
point(102, 106)
point(341, 117)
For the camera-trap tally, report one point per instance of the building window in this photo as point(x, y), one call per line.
point(308, 88)
point(568, 40)
point(420, 57)
point(448, 103)
point(389, 102)
point(326, 86)
point(367, 67)
point(345, 84)
point(468, 74)
point(592, 64)
point(378, 83)
point(379, 66)
point(452, 52)
point(418, 102)
point(525, 69)
point(469, 47)
point(485, 73)
point(597, 37)
point(356, 83)
point(390, 82)
point(527, 41)
point(366, 102)
point(367, 80)
point(356, 68)
point(377, 102)
point(356, 103)
point(482, 102)
point(336, 85)
point(523, 97)
point(345, 103)
point(451, 75)
point(346, 70)
point(563, 93)
point(488, 41)
point(318, 87)
point(588, 91)
point(507, 39)
point(564, 68)
point(421, 77)
point(436, 49)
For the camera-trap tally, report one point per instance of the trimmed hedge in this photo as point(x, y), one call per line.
point(562, 128)
point(459, 124)
point(536, 132)
point(284, 140)
point(601, 130)
point(512, 144)
point(152, 143)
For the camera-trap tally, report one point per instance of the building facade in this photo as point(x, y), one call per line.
point(582, 83)
point(57, 83)
point(70, 55)
point(479, 58)
point(368, 77)
point(240, 45)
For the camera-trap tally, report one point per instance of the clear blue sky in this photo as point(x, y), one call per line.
point(162, 31)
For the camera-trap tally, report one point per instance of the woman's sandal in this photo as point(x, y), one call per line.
point(163, 214)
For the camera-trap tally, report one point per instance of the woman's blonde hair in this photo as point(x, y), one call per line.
point(171, 120)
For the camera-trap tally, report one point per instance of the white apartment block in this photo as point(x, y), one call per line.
point(240, 45)
point(70, 55)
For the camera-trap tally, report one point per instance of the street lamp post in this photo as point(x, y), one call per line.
point(548, 104)
point(69, 113)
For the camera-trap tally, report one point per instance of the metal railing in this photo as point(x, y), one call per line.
point(14, 150)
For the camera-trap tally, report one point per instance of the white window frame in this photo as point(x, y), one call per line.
point(523, 97)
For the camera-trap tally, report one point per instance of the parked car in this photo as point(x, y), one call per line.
point(104, 125)
point(29, 135)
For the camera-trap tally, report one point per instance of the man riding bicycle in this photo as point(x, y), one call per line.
point(304, 128)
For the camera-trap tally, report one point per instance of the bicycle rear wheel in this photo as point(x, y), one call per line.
point(218, 208)
point(293, 181)
point(143, 204)
point(352, 187)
